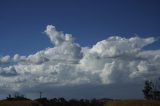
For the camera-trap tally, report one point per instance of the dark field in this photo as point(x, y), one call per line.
point(19, 103)
point(131, 103)
point(76, 103)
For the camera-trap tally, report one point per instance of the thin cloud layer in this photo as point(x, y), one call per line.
point(113, 60)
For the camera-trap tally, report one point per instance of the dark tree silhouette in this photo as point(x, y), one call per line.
point(148, 90)
point(151, 90)
point(16, 97)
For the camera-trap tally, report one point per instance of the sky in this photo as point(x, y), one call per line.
point(79, 48)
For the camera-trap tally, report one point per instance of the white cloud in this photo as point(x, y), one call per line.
point(56, 37)
point(17, 58)
point(118, 59)
point(115, 46)
point(113, 60)
point(8, 71)
point(5, 59)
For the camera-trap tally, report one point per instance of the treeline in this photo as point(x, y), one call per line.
point(16, 97)
point(72, 102)
point(58, 101)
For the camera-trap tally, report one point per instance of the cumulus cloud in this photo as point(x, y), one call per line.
point(8, 71)
point(115, 59)
point(5, 59)
point(56, 37)
point(118, 59)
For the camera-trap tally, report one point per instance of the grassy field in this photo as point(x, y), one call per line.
point(19, 103)
point(104, 103)
point(132, 103)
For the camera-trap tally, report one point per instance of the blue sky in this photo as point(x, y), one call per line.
point(23, 21)
point(119, 47)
